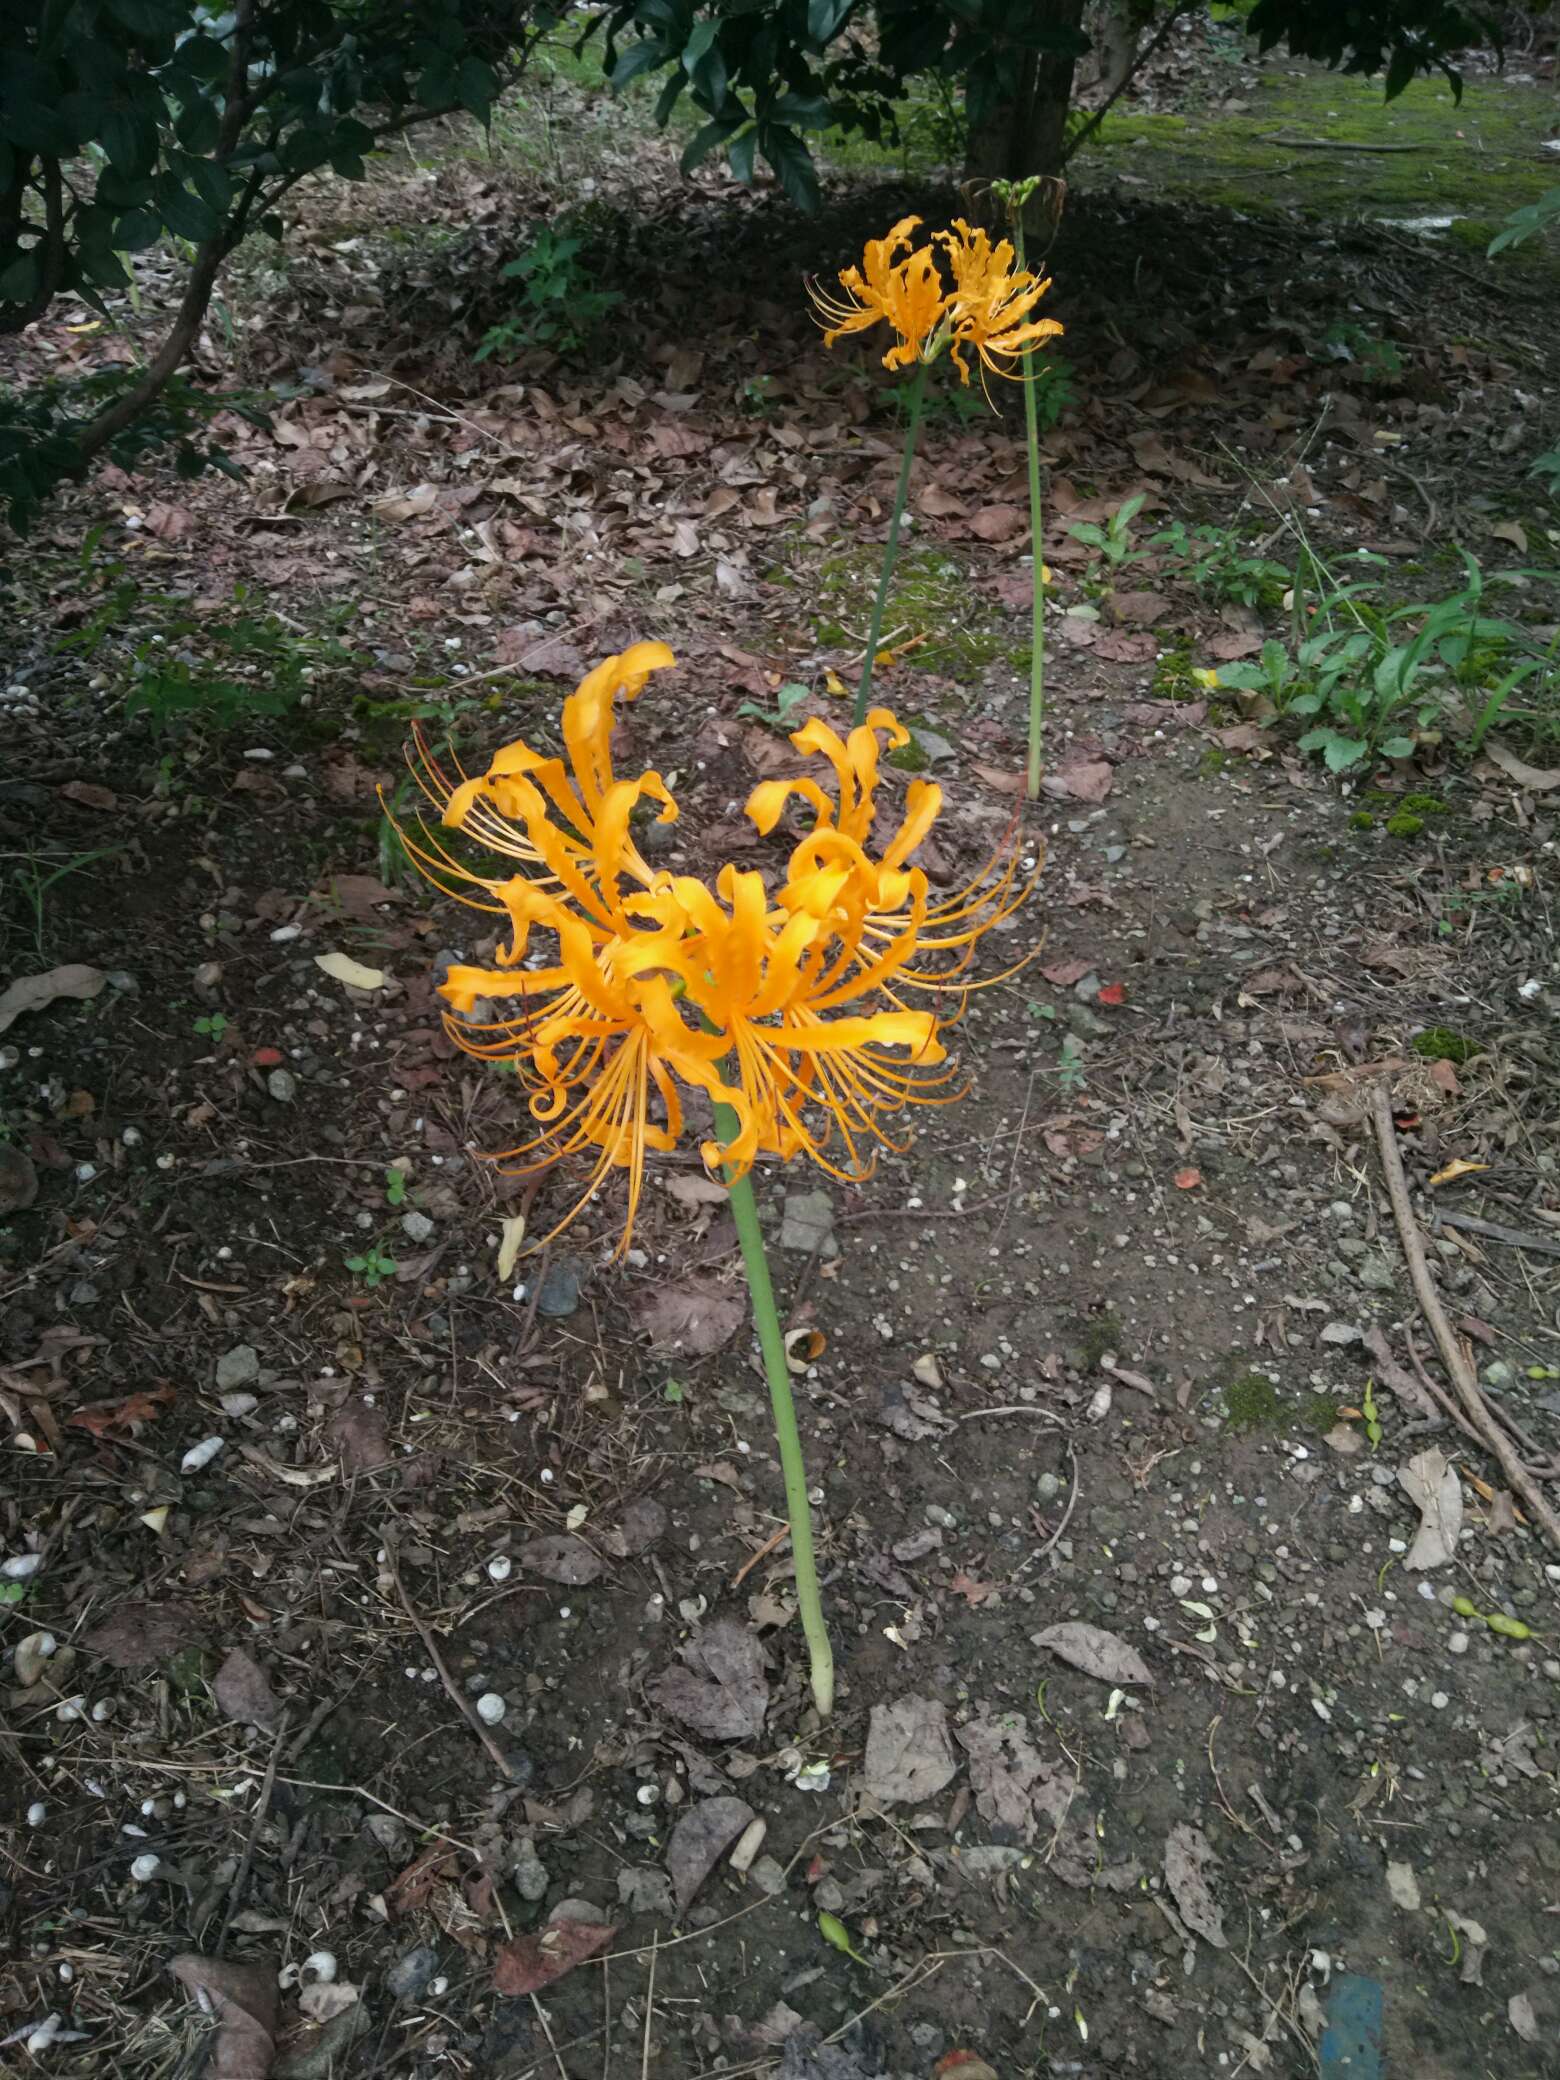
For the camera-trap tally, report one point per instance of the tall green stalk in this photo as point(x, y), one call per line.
point(891, 546)
point(744, 1211)
point(1037, 546)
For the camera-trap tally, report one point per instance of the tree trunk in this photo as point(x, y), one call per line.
point(1116, 27)
point(1024, 133)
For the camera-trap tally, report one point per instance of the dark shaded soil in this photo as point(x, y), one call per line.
point(1077, 1360)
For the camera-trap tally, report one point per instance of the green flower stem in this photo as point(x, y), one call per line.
point(1037, 545)
point(744, 1210)
point(891, 546)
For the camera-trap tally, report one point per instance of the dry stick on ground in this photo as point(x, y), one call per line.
point(1519, 1238)
point(1458, 1365)
point(466, 1710)
point(262, 1807)
point(644, 2060)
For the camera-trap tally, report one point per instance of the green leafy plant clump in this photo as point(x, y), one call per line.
point(559, 306)
point(131, 124)
point(1441, 1044)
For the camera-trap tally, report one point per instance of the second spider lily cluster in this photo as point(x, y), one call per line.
point(617, 987)
point(984, 306)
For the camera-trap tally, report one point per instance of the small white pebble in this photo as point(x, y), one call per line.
point(1458, 1643)
point(23, 1567)
point(1440, 1700)
point(500, 1567)
point(201, 1455)
point(145, 1868)
point(37, 1813)
point(491, 1708)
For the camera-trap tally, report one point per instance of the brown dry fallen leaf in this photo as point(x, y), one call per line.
point(243, 1690)
point(699, 1840)
point(103, 1418)
point(33, 992)
point(134, 1635)
point(998, 523)
point(1431, 1484)
point(531, 1962)
point(357, 1432)
point(1138, 609)
point(1080, 780)
point(909, 1756)
point(693, 1315)
point(1097, 1652)
point(1536, 779)
point(722, 1692)
point(243, 1999)
point(1188, 1858)
point(561, 1558)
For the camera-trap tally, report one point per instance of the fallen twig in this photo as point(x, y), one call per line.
point(262, 1807)
point(1519, 1238)
point(467, 1712)
point(1454, 1354)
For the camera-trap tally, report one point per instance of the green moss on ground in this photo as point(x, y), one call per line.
point(929, 603)
point(1251, 1403)
point(1475, 161)
point(1441, 1044)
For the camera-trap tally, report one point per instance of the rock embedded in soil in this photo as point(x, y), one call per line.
point(409, 1977)
point(416, 1227)
point(283, 1086)
point(239, 1367)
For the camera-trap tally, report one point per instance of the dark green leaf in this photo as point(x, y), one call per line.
point(199, 126)
point(639, 57)
point(130, 143)
point(740, 155)
point(703, 142)
point(476, 87)
point(212, 183)
point(21, 280)
point(825, 19)
point(136, 230)
point(792, 163)
point(186, 215)
point(811, 111)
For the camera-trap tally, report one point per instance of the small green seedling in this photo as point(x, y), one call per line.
point(1372, 1418)
point(782, 717)
point(395, 1186)
point(373, 1267)
point(1113, 541)
point(211, 1025)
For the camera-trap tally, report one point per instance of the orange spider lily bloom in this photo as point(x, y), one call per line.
point(906, 293)
point(991, 301)
point(781, 1006)
point(498, 808)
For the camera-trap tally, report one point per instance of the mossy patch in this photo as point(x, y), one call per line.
point(1405, 825)
point(1251, 1403)
point(1362, 820)
point(930, 604)
point(1100, 1335)
point(1473, 161)
point(1441, 1044)
point(1320, 1413)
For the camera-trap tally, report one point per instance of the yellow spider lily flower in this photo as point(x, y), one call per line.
point(504, 807)
point(906, 293)
point(991, 301)
point(783, 1007)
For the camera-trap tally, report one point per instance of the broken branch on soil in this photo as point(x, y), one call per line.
point(467, 1712)
point(1518, 1238)
point(262, 1808)
point(1454, 1354)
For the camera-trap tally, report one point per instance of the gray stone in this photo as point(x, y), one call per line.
point(642, 1891)
point(531, 1880)
point(562, 1283)
point(1377, 1274)
point(807, 1223)
point(283, 1086)
point(413, 1972)
point(769, 1876)
point(415, 1226)
point(239, 1367)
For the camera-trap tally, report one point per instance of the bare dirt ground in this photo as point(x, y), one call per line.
point(1128, 1341)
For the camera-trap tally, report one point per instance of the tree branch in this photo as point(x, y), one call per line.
point(1156, 42)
